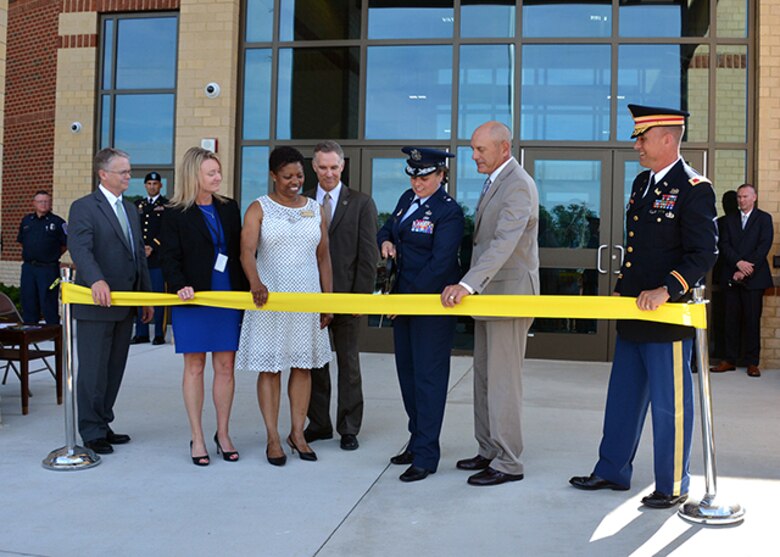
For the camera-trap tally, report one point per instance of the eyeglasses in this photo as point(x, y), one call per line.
point(126, 173)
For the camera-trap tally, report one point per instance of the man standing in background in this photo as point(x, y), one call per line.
point(44, 239)
point(151, 209)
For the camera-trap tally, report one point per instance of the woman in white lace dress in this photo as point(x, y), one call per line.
point(284, 248)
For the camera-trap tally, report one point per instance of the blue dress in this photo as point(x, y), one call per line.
point(208, 329)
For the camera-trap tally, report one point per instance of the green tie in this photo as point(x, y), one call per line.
point(120, 214)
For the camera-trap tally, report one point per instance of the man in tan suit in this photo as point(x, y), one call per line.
point(505, 260)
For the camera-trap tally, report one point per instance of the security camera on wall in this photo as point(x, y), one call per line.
point(75, 127)
point(212, 90)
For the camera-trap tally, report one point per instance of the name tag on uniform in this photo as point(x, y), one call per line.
point(422, 226)
point(221, 263)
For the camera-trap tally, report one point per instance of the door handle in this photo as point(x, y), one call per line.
point(600, 269)
point(622, 257)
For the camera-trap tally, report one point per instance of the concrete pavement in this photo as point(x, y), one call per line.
point(147, 497)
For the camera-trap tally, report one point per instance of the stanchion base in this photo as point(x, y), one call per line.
point(709, 511)
point(77, 458)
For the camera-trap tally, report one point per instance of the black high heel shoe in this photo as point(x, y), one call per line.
point(226, 455)
point(276, 460)
point(203, 460)
point(311, 455)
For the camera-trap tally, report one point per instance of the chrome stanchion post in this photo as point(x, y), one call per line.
point(708, 510)
point(71, 456)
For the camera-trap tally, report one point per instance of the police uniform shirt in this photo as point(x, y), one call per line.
point(671, 241)
point(42, 238)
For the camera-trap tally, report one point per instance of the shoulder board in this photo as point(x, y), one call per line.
point(696, 180)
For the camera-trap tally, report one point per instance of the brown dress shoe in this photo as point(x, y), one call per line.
point(723, 366)
point(753, 371)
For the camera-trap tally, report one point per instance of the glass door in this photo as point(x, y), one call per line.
point(578, 248)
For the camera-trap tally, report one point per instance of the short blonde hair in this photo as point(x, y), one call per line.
point(187, 177)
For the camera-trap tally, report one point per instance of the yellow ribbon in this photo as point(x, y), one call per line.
point(569, 307)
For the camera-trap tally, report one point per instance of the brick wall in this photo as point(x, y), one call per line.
point(768, 159)
point(28, 136)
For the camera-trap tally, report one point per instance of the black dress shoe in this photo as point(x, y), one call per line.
point(303, 455)
point(657, 500)
point(489, 476)
point(415, 473)
point(100, 446)
point(311, 435)
point(405, 457)
point(477, 463)
point(158, 341)
point(139, 340)
point(593, 483)
point(117, 438)
point(349, 442)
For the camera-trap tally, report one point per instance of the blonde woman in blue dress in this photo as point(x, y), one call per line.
point(284, 248)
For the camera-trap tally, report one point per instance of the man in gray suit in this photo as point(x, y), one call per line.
point(106, 244)
point(505, 260)
point(352, 229)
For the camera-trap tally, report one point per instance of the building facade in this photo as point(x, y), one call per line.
point(154, 77)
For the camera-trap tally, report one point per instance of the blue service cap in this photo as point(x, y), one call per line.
point(152, 176)
point(423, 160)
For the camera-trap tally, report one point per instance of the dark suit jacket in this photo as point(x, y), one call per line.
point(671, 241)
point(100, 251)
point(187, 254)
point(426, 243)
point(352, 237)
point(751, 244)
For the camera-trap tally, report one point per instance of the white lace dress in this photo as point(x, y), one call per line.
point(286, 262)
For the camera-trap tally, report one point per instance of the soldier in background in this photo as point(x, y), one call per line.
point(151, 209)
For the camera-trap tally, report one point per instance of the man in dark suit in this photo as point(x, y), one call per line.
point(505, 260)
point(352, 229)
point(671, 244)
point(151, 210)
point(746, 237)
point(106, 244)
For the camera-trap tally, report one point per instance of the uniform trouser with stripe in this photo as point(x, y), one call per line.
point(158, 285)
point(657, 374)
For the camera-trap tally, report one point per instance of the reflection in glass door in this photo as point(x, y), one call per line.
point(575, 246)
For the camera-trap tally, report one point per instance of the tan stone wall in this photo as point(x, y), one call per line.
point(208, 52)
point(75, 103)
point(768, 156)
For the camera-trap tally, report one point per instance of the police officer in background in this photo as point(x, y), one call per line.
point(43, 236)
point(151, 209)
point(671, 244)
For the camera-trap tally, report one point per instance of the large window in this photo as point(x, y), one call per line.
point(388, 73)
point(138, 92)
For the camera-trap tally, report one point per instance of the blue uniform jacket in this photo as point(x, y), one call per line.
point(671, 240)
point(426, 243)
point(42, 238)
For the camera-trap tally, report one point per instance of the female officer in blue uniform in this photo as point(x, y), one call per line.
point(422, 236)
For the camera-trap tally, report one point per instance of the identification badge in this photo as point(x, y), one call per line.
point(307, 214)
point(423, 226)
point(221, 263)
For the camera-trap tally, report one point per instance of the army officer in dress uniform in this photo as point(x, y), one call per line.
point(422, 236)
point(671, 244)
point(151, 210)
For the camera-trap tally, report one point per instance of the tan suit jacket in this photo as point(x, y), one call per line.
point(505, 260)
